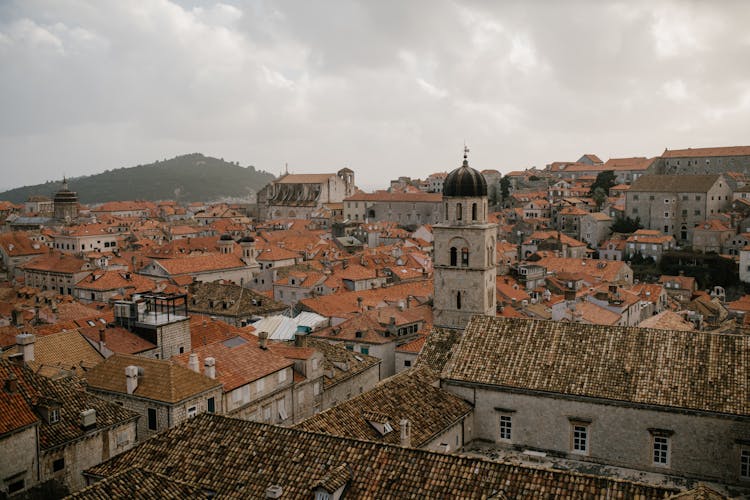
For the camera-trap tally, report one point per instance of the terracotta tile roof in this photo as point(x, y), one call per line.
point(305, 178)
point(67, 350)
point(200, 263)
point(59, 263)
point(141, 484)
point(73, 400)
point(701, 152)
point(674, 183)
point(230, 300)
point(272, 253)
point(18, 243)
point(412, 394)
point(204, 330)
point(238, 362)
point(162, 380)
point(15, 413)
point(605, 270)
point(335, 356)
point(242, 459)
point(597, 315)
point(345, 303)
point(113, 280)
point(415, 346)
point(635, 163)
point(689, 370)
point(438, 348)
point(667, 320)
point(684, 282)
point(119, 340)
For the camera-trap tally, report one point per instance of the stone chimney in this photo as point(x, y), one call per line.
point(405, 432)
point(263, 340)
point(193, 363)
point(131, 378)
point(210, 367)
point(300, 339)
point(25, 345)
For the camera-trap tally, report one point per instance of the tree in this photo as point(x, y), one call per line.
point(604, 180)
point(599, 195)
point(504, 187)
point(626, 225)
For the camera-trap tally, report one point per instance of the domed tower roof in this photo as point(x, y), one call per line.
point(465, 181)
point(247, 239)
point(226, 237)
point(65, 195)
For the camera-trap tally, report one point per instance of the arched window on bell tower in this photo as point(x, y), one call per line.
point(465, 257)
point(454, 256)
point(459, 211)
point(473, 211)
point(458, 300)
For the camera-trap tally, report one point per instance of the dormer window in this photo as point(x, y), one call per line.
point(54, 415)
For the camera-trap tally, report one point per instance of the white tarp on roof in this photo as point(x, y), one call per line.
point(284, 328)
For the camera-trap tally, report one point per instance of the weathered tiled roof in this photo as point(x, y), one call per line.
point(690, 370)
point(67, 350)
point(162, 380)
point(408, 395)
point(141, 484)
point(438, 348)
point(73, 400)
point(332, 353)
point(241, 459)
point(700, 152)
point(228, 299)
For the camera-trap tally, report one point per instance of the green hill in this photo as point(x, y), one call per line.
point(192, 177)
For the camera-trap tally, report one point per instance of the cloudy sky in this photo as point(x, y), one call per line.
point(385, 87)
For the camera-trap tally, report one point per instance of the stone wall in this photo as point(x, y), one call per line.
point(19, 460)
point(701, 446)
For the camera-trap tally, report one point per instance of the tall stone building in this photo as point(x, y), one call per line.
point(464, 256)
point(674, 204)
point(66, 203)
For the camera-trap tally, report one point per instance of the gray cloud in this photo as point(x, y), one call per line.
point(388, 88)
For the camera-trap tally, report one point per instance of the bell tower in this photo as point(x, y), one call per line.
point(464, 251)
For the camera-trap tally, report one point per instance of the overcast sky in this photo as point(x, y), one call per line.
point(387, 88)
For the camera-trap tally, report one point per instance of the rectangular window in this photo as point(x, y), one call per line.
point(192, 411)
point(16, 486)
point(407, 363)
point(745, 464)
point(58, 464)
point(580, 438)
point(211, 405)
point(364, 350)
point(635, 210)
point(506, 426)
point(697, 197)
point(635, 197)
point(151, 419)
point(661, 450)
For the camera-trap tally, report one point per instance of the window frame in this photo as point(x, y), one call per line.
point(505, 427)
point(155, 420)
point(580, 436)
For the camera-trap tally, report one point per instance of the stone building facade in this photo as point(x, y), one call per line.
point(674, 204)
point(632, 406)
point(297, 196)
point(717, 160)
point(403, 208)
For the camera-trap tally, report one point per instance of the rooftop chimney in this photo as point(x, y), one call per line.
point(88, 418)
point(131, 378)
point(11, 383)
point(210, 367)
point(405, 433)
point(193, 363)
point(263, 339)
point(25, 343)
point(300, 339)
